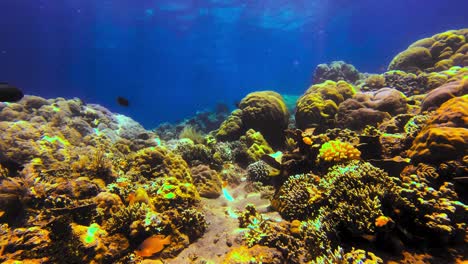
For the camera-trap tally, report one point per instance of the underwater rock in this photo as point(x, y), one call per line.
point(336, 71)
point(437, 53)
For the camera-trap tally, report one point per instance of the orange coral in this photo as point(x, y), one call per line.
point(382, 221)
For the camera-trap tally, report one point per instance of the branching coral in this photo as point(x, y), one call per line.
point(298, 197)
point(268, 233)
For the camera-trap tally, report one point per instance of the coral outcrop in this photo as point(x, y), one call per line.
point(445, 136)
point(370, 108)
point(318, 106)
point(263, 111)
point(336, 71)
point(437, 53)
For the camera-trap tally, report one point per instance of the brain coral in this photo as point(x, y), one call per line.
point(446, 135)
point(267, 113)
point(336, 71)
point(443, 93)
point(437, 53)
point(157, 162)
point(318, 105)
point(263, 111)
point(207, 181)
point(371, 108)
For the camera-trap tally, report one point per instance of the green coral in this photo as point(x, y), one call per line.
point(437, 53)
point(257, 146)
point(266, 112)
point(318, 106)
point(173, 193)
point(158, 162)
point(232, 128)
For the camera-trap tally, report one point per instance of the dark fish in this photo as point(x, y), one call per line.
point(10, 93)
point(123, 101)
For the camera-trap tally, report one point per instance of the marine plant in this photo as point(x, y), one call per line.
point(193, 134)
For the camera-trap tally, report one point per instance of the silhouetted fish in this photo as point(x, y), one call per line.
point(10, 93)
point(123, 101)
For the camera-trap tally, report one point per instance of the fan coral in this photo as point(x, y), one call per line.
point(337, 151)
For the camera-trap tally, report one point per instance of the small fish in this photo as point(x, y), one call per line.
point(122, 101)
point(9, 93)
point(307, 141)
point(152, 245)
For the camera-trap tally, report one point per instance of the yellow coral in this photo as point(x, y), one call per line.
point(337, 151)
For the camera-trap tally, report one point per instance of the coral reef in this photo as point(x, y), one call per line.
point(256, 145)
point(207, 181)
point(438, 96)
point(318, 106)
point(437, 53)
point(336, 71)
point(337, 151)
point(445, 136)
point(370, 108)
point(370, 176)
point(263, 111)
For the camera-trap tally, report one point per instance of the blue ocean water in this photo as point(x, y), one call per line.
point(172, 58)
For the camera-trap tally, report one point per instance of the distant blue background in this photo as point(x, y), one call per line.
point(172, 58)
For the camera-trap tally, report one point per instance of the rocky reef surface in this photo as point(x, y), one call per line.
point(369, 168)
